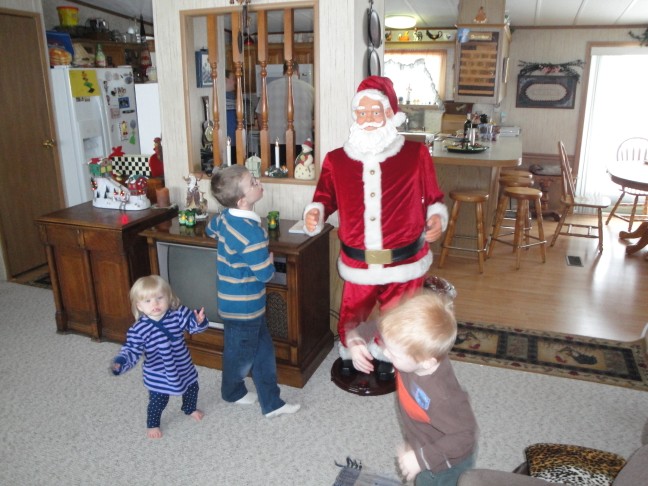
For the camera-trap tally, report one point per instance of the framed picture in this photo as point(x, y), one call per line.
point(203, 70)
point(546, 91)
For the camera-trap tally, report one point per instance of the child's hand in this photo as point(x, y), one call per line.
point(407, 462)
point(200, 315)
point(115, 368)
point(361, 357)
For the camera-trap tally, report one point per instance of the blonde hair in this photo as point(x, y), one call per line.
point(144, 287)
point(423, 325)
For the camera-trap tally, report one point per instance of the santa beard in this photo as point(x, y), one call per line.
point(372, 142)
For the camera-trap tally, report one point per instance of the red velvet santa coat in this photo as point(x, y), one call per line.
point(384, 202)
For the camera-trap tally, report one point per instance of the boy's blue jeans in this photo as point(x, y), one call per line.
point(449, 477)
point(248, 348)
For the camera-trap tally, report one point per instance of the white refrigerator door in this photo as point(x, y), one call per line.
point(118, 88)
point(148, 115)
point(81, 135)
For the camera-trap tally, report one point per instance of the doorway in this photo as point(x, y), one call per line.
point(614, 111)
point(29, 170)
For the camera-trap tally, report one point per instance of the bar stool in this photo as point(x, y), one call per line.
point(523, 197)
point(478, 198)
point(508, 179)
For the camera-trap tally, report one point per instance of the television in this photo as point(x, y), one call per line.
point(191, 272)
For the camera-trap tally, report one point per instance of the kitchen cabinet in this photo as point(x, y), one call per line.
point(297, 308)
point(481, 64)
point(94, 256)
point(117, 53)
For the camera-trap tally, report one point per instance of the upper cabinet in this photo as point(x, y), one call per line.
point(482, 52)
point(481, 65)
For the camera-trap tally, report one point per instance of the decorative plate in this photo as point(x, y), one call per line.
point(470, 149)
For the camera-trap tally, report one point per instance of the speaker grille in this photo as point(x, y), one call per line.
point(277, 314)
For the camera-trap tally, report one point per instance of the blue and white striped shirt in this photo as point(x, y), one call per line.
point(244, 264)
point(167, 366)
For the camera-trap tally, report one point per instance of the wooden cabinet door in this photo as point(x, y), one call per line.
point(480, 75)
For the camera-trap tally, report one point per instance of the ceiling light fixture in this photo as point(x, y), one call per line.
point(400, 21)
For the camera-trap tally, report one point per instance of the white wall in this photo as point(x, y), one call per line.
point(543, 127)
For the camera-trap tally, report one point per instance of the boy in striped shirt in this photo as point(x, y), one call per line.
point(244, 267)
point(158, 334)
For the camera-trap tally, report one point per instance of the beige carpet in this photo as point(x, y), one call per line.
point(66, 421)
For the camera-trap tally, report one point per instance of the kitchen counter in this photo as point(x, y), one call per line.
point(475, 171)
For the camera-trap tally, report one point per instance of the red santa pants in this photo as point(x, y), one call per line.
point(359, 300)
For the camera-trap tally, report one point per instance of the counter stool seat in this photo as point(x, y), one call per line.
point(521, 234)
point(479, 198)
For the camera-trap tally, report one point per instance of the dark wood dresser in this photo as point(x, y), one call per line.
point(297, 308)
point(94, 256)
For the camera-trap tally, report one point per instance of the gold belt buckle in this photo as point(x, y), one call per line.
point(378, 257)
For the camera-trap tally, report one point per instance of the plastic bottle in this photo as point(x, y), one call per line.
point(100, 57)
point(467, 125)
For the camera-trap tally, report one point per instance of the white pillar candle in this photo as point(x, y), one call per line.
point(229, 151)
point(277, 164)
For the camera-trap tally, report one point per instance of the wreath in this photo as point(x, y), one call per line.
point(566, 68)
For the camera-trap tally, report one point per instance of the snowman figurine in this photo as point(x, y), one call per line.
point(304, 167)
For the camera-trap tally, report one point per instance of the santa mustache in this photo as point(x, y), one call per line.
point(364, 125)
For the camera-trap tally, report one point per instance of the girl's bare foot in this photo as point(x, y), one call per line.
point(197, 415)
point(154, 433)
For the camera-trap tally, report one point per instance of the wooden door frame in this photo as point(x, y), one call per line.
point(37, 19)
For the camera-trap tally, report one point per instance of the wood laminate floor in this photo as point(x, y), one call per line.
point(605, 298)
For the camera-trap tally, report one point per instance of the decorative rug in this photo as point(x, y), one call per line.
point(599, 360)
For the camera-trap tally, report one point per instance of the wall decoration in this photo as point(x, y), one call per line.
point(553, 85)
point(203, 69)
point(546, 91)
point(642, 38)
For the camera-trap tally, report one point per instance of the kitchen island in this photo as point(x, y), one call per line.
point(475, 171)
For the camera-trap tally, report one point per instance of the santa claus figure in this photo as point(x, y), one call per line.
point(389, 206)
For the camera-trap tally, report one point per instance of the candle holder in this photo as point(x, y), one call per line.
point(273, 220)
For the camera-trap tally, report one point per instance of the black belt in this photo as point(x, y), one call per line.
point(384, 257)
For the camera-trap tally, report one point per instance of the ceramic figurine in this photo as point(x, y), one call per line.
point(304, 167)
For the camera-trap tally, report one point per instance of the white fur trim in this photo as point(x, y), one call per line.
point(380, 275)
point(399, 118)
point(372, 187)
point(377, 352)
point(373, 94)
point(442, 210)
point(345, 353)
point(320, 222)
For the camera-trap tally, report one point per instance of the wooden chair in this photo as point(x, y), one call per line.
point(570, 201)
point(635, 148)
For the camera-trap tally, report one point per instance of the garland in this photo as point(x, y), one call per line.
point(549, 68)
point(642, 38)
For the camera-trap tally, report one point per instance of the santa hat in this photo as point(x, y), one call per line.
point(381, 89)
point(307, 143)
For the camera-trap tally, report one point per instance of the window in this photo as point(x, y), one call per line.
point(418, 75)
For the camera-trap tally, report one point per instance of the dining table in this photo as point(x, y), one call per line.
point(634, 175)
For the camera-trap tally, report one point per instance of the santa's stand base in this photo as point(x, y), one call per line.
point(360, 383)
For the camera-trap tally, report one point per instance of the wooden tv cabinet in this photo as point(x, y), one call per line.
point(297, 312)
point(94, 256)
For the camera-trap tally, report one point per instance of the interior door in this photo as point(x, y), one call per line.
point(29, 170)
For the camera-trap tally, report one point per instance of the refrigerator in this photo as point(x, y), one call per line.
point(95, 111)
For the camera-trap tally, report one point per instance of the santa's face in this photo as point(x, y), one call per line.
point(373, 130)
point(370, 114)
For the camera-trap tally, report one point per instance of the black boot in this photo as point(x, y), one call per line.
point(384, 370)
point(346, 368)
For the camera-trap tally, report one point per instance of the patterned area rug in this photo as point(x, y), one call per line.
point(603, 361)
